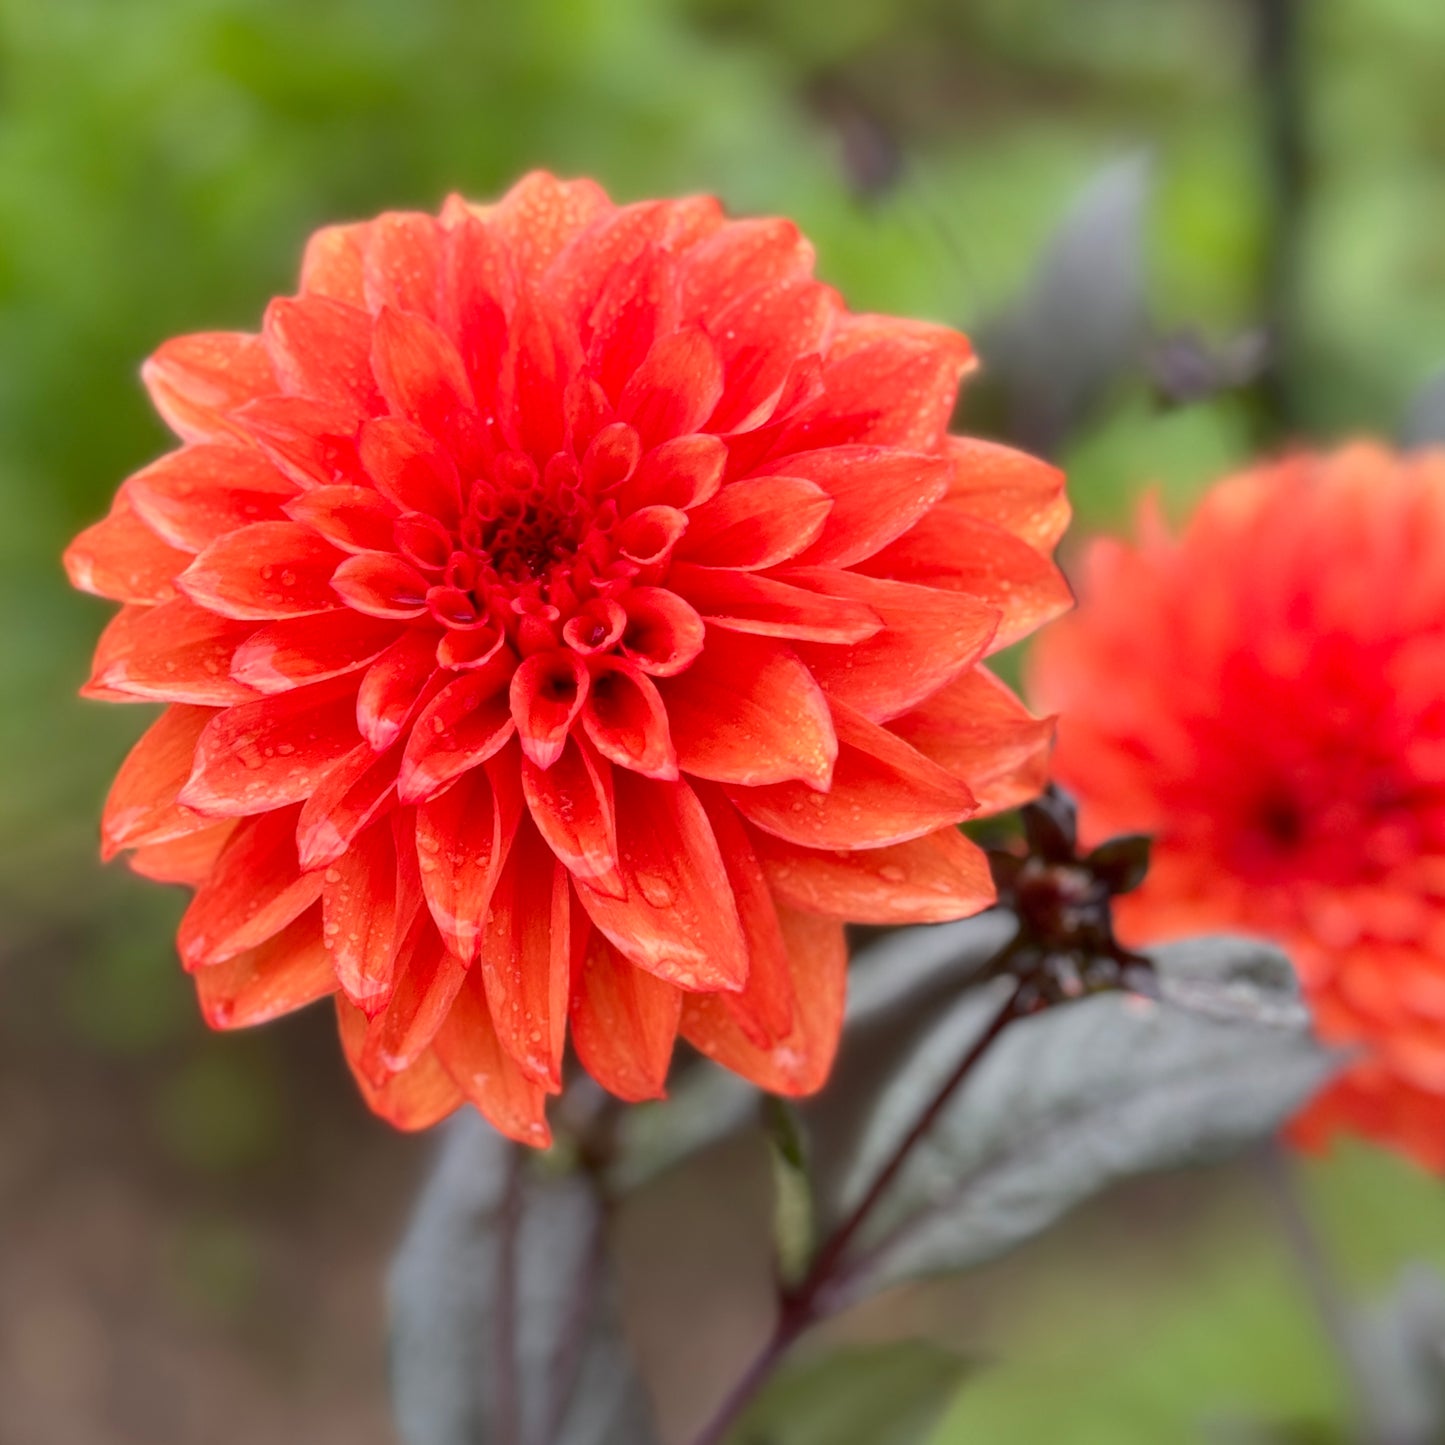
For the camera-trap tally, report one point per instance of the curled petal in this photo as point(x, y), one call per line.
point(298, 650)
point(462, 726)
point(176, 652)
point(197, 381)
point(677, 917)
point(265, 754)
point(882, 792)
point(414, 1099)
point(548, 690)
point(256, 889)
point(749, 712)
point(626, 719)
point(932, 879)
point(648, 536)
point(624, 1023)
point(270, 569)
point(121, 558)
point(462, 840)
point(798, 1064)
point(468, 1046)
point(283, 974)
point(663, 634)
point(193, 496)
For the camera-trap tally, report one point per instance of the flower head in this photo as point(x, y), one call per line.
point(568, 615)
point(1266, 695)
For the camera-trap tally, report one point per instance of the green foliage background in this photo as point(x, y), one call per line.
point(161, 162)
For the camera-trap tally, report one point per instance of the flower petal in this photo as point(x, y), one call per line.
point(186, 860)
point(256, 889)
point(462, 726)
point(367, 911)
point(541, 214)
point(929, 636)
point(348, 798)
point(299, 650)
point(410, 468)
point(677, 918)
point(176, 652)
point(749, 712)
point(525, 960)
point(878, 494)
point(401, 262)
point(977, 729)
point(193, 496)
point(321, 348)
point(547, 692)
point(266, 570)
point(626, 719)
point(800, 1063)
point(393, 685)
point(1010, 489)
point(755, 523)
point(662, 634)
point(571, 805)
point(279, 976)
point(428, 979)
point(265, 754)
point(121, 558)
point(468, 1047)
point(414, 1099)
point(419, 372)
point(331, 263)
point(882, 792)
point(932, 879)
point(744, 602)
point(624, 1023)
point(675, 389)
point(380, 586)
point(196, 381)
point(950, 548)
point(462, 841)
point(141, 806)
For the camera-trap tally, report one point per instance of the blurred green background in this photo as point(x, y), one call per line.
point(190, 1228)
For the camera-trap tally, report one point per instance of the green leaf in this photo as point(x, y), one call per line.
point(503, 1263)
point(1070, 1100)
point(888, 1394)
point(794, 1217)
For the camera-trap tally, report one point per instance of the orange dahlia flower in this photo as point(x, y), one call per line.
point(1266, 695)
point(568, 614)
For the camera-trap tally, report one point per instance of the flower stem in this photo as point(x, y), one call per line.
point(800, 1308)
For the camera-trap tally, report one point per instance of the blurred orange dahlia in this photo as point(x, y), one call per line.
point(568, 614)
point(1266, 695)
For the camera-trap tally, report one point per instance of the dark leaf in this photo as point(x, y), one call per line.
point(890, 1394)
point(1080, 325)
point(1122, 863)
point(1051, 825)
point(503, 1317)
point(1083, 1094)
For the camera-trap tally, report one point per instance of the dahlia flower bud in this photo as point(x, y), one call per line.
point(1265, 693)
point(567, 615)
